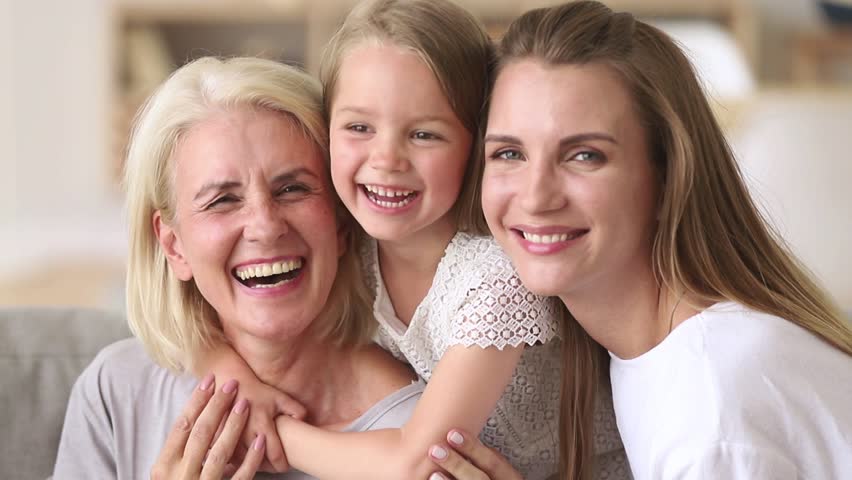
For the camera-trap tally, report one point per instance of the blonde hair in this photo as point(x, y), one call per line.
point(455, 47)
point(702, 194)
point(170, 316)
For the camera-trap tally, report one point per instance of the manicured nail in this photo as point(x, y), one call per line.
point(437, 476)
point(229, 386)
point(438, 453)
point(241, 405)
point(259, 442)
point(206, 382)
point(456, 438)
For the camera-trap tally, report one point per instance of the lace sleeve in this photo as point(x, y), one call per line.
point(501, 312)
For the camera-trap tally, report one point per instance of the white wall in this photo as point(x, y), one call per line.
point(8, 165)
point(58, 77)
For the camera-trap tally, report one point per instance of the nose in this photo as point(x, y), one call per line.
point(389, 155)
point(264, 222)
point(541, 190)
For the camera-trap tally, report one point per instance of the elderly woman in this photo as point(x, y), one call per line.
point(235, 235)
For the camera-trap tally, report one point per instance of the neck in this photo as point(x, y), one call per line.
point(313, 372)
point(419, 252)
point(643, 316)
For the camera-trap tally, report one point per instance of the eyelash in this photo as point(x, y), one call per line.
point(292, 188)
point(592, 155)
point(357, 128)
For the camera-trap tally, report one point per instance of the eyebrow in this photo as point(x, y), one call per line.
point(284, 177)
point(367, 111)
point(571, 139)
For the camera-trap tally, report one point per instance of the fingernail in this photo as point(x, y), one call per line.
point(437, 476)
point(229, 386)
point(456, 438)
point(241, 405)
point(259, 442)
point(206, 382)
point(438, 453)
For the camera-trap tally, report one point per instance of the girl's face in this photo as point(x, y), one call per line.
point(398, 151)
point(569, 190)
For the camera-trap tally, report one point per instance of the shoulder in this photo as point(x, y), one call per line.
point(393, 410)
point(123, 371)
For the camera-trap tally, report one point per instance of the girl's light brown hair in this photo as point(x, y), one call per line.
point(711, 242)
point(455, 47)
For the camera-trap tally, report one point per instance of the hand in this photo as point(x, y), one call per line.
point(193, 437)
point(469, 459)
point(267, 403)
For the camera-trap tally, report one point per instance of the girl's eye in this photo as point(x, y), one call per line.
point(507, 154)
point(421, 135)
point(357, 128)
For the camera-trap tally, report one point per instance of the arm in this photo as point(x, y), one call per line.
point(464, 388)
point(267, 402)
point(87, 444)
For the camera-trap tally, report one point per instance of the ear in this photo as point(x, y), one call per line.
point(172, 247)
point(343, 233)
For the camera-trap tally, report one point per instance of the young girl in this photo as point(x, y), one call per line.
point(404, 84)
point(727, 361)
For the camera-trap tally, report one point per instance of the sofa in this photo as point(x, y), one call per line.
point(42, 352)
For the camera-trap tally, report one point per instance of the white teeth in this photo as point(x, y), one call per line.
point(546, 239)
point(387, 192)
point(268, 269)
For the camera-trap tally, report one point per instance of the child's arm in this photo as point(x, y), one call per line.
point(266, 402)
point(462, 393)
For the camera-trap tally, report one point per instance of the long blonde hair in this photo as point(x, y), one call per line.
point(170, 316)
point(455, 47)
point(711, 242)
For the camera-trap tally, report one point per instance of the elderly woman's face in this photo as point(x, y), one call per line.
point(255, 225)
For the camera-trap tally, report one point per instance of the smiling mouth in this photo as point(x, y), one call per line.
point(547, 239)
point(269, 275)
point(389, 197)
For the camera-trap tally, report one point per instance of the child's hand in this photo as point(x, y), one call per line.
point(266, 404)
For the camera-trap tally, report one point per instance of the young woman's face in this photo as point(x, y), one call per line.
point(569, 190)
point(398, 151)
point(255, 226)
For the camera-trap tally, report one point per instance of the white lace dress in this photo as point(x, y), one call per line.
point(477, 299)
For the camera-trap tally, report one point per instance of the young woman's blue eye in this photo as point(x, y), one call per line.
point(587, 156)
point(507, 154)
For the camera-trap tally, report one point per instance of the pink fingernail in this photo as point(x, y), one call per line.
point(241, 405)
point(438, 453)
point(259, 442)
point(456, 438)
point(229, 386)
point(206, 382)
point(437, 476)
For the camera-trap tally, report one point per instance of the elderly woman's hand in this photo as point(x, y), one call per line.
point(193, 451)
point(469, 459)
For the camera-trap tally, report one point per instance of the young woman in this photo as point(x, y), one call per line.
point(726, 360)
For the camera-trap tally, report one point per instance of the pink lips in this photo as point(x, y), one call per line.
point(575, 235)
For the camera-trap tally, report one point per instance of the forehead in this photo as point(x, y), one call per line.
point(243, 137)
point(591, 96)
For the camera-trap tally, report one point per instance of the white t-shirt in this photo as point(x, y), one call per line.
point(477, 299)
point(736, 394)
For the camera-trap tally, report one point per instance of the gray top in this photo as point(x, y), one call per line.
point(123, 405)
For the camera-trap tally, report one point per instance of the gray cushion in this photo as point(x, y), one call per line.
point(42, 351)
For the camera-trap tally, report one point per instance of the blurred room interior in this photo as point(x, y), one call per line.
point(779, 73)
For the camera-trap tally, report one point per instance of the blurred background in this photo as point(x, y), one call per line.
point(72, 74)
